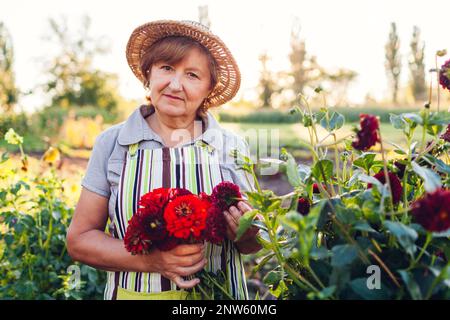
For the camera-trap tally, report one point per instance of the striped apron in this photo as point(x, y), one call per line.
point(193, 167)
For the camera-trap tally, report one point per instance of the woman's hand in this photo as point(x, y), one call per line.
point(182, 260)
point(247, 243)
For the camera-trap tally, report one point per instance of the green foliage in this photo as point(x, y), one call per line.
point(34, 263)
point(352, 228)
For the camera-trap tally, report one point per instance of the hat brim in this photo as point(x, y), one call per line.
point(229, 77)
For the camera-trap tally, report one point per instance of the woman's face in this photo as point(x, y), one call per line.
point(179, 90)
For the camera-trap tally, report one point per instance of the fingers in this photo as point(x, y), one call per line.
point(187, 261)
point(188, 249)
point(243, 206)
point(185, 284)
point(231, 222)
point(235, 214)
point(186, 271)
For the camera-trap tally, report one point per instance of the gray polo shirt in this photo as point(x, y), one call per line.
point(108, 155)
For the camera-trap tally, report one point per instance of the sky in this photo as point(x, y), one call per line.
point(341, 34)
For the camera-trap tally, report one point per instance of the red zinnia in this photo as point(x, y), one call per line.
point(225, 195)
point(396, 186)
point(444, 75)
point(433, 210)
point(176, 192)
point(185, 216)
point(303, 206)
point(367, 136)
point(155, 200)
point(446, 134)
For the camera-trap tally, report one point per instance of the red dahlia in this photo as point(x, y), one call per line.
point(225, 195)
point(446, 134)
point(433, 210)
point(136, 240)
point(303, 206)
point(444, 75)
point(396, 185)
point(367, 136)
point(185, 217)
point(216, 225)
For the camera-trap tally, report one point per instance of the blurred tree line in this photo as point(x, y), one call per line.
point(72, 80)
point(306, 73)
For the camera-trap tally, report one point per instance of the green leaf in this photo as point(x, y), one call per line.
point(5, 157)
point(245, 222)
point(343, 255)
point(320, 253)
point(359, 286)
point(411, 284)
point(397, 121)
point(405, 235)
point(291, 170)
point(431, 179)
point(327, 167)
point(365, 161)
point(335, 122)
point(304, 171)
point(272, 278)
point(412, 118)
point(363, 226)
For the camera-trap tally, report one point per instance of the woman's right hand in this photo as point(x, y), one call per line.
point(183, 260)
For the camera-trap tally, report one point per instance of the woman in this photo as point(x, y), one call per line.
point(172, 142)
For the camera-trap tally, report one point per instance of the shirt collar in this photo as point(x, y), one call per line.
point(136, 129)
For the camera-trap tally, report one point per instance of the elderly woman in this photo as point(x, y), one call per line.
point(174, 141)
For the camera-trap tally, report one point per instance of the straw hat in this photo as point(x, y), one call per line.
point(229, 77)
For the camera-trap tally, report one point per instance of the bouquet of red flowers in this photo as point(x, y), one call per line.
point(170, 216)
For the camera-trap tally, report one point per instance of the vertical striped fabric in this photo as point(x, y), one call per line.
point(193, 168)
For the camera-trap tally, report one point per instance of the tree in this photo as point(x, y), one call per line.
point(73, 80)
point(338, 81)
point(266, 82)
point(304, 68)
point(8, 90)
point(393, 61)
point(417, 66)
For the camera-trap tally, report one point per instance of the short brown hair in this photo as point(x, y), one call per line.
point(172, 50)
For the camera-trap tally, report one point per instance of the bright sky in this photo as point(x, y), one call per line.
point(345, 33)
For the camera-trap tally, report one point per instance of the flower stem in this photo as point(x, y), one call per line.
point(386, 175)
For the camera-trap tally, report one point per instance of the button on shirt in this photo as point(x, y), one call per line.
point(108, 155)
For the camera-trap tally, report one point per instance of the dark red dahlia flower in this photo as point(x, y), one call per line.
point(446, 134)
point(401, 168)
point(225, 195)
point(367, 136)
point(136, 240)
point(316, 189)
point(216, 226)
point(303, 206)
point(395, 183)
point(432, 211)
point(444, 75)
point(185, 217)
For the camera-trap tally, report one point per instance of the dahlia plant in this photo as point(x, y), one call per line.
point(358, 224)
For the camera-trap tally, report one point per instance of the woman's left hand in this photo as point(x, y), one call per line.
point(232, 217)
